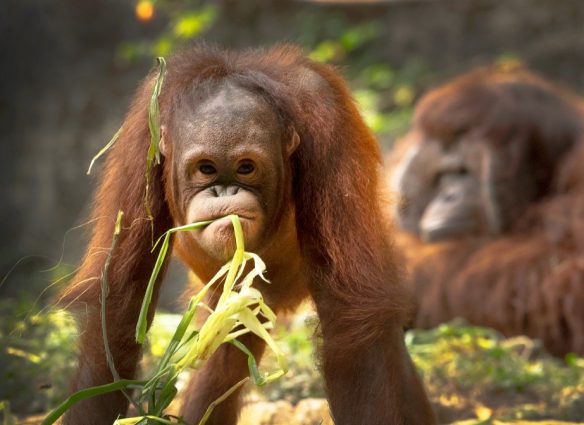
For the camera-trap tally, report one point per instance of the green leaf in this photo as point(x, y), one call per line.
point(252, 364)
point(153, 157)
point(88, 393)
point(192, 24)
point(141, 325)
point(215, 403)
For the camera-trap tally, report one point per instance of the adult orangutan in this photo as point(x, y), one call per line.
point(491, 176)
point(275, 138)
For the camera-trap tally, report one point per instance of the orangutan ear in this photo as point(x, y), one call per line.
point(292, 143)
point(163, 146)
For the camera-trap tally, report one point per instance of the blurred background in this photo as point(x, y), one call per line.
point(68, 72)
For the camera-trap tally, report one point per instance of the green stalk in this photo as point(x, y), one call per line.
point(153, 157)
point(237, 260)
point(141, 326)
point(135, 421)
point(221, 399)
point(236, 313)
point(104, 149)
point(104, 295)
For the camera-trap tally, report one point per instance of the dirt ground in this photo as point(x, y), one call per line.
point(311, 412)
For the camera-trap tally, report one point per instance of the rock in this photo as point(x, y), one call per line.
point(312, 411)
point(268, 413)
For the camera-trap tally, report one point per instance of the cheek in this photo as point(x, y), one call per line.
point(454, 212)
point(413, 180)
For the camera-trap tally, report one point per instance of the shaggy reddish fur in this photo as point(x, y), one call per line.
point(346, 257)
point(529, 280)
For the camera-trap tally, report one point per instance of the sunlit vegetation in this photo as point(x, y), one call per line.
point(475, 370)
point(470, 373)
point(36, 353)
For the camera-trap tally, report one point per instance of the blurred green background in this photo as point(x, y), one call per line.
point(69, 68)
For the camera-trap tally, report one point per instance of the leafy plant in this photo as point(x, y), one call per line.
point(238, 311)
point(36, 348)
point(468, 368)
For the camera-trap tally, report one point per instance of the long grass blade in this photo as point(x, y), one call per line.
point(104, 295)
point(154, 116)
point(215, 403)
point(141, 325)
point(252, 364)
point(104, 149)
point(153, 156)
point(88, 393)
point(138, 419)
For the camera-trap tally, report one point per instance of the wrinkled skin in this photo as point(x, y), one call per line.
point(229, 158)
point(458, 189)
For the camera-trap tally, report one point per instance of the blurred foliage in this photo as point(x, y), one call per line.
point(384, 92)
point(159, 336)
point(186, 21)
point(303, 379)
point(469, 369)
point(469, 372)
point(508, 61)
point(347, 40)
point(6, 414)
point(36, 355)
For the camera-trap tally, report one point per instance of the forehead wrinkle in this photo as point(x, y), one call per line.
point(219, 125)
point(228, 102)
point(202, 135)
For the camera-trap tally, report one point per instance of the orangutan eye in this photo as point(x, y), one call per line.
point(246, 168)
point(207, 169)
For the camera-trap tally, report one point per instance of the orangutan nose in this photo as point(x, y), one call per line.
point(220, 191)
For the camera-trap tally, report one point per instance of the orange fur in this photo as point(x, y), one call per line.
point(331, 243)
